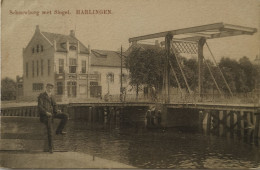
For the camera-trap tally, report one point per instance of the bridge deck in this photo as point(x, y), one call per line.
point(201, 105)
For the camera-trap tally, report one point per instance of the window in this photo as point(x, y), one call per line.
point(37, 86)
point(124, 78)
point(42, 67)
point(37, 48)
point(49, 67)
point(72, 89)
point(59, 88)
point(72, 47)
point(72, 65)
point(110, 77)
point(93, 83)
point(61, 65)
point(32, 68)
point(37, 68)
point(27, 70)
point(33, 50)
point(83, 66)
point(41, 48)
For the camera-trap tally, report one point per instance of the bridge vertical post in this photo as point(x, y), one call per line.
point(89, 114)
point(257, 125)
point(201, 118)
point(201, 43)
point(209, 122)
point(168, 41)
point(232, 124)
point(239, 123)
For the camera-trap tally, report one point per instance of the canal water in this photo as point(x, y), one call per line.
point(151, 148)
point(162, 148)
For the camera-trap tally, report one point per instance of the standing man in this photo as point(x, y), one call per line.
point(48, 110)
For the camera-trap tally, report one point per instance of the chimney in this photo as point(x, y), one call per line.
point(72, 33)
point(37, 29)
point(162, 43)
point(67, 45)
point(157, 43)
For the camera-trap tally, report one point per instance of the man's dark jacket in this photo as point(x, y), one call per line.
point(46, 104)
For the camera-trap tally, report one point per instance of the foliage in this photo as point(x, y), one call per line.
point(8, 89)
point(241, 75)
point(146, 67)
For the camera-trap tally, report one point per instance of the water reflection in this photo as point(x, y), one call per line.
point(149, 148)
point(162, 148)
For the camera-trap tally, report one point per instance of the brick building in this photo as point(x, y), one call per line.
point(59, 59)
point(76, 71)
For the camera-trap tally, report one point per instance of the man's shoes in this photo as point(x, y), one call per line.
point(61, 133)
point(51, 150)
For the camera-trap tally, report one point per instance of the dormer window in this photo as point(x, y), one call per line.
point(41, 48)
point(72, 47)
point(37, 48)
point(33, 50)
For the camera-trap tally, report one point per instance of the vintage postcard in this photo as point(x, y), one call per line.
point(143, 84)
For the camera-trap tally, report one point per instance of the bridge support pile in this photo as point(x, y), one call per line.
point(232, 122)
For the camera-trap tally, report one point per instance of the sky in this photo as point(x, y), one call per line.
point(129, 18)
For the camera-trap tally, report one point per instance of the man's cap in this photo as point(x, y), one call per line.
point(49, 84)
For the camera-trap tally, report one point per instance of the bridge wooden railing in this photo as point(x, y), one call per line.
point(25, 111)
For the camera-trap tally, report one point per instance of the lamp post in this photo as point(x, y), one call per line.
point(121, 76)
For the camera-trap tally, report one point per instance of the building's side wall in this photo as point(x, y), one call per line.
point(44, 76)
point(112, 87)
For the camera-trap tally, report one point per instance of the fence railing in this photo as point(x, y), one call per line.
point(238, 98)
point(187, 98)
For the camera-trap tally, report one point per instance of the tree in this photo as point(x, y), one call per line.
point(8, 89)
point(248, 74)
point(145, 67)
point(241, 75)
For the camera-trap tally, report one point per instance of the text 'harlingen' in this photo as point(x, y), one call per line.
point(93, 11)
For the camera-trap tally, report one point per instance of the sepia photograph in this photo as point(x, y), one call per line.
point(130, 84)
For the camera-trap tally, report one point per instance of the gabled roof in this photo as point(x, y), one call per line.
point(62, 39)
point(105, 58)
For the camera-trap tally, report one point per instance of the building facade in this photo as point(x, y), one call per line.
point(108, 65)
point(58, 59)
point(77, 72)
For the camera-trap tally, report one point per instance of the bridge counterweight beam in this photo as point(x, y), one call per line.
point(168, 41)
point(201, 43)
